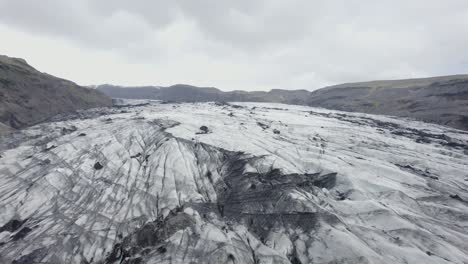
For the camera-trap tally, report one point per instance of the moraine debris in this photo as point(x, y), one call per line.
point(203, 130)
point(262, 125)
point(98, 166)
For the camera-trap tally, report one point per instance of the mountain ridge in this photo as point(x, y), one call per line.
point(394, 82)
point(441, 100)
point(28, 96)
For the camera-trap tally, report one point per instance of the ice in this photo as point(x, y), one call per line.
point(270, 183)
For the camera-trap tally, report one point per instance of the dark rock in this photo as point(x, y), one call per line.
point(276, 131)
point(341, 196)
point(416, 171)
point(66, 130)
point(12, 225)
point(221, 103)
point(210, 176)
point(22, 233)
point(327, 181)
point(119, 103)
point(49, 148)
point(203, 130)
point(262, 125)
point(98, 166)
point(162, 249)
point(456, 197)
point(423, 140)
point(45, 162)
point(136, 155)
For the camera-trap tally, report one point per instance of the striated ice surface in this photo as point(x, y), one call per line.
point(259, 183)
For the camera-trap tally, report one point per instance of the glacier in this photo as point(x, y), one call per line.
point(142, 182)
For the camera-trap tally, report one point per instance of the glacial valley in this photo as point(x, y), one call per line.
point(156, 182)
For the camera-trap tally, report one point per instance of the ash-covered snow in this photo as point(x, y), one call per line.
point(266, 183)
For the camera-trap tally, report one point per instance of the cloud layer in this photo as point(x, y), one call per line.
point(237, 44)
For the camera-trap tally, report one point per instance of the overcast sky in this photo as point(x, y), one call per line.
point(237, 44)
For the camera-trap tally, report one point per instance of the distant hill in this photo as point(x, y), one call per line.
point(403, 83)
point(28, 96)
point(188, 93)
point(441, 100)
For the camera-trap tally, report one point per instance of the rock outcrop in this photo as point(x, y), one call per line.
point(28, 96)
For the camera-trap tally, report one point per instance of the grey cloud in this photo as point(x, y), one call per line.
point(286, 44)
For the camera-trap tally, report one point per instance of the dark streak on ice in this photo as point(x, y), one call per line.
point(12, 225)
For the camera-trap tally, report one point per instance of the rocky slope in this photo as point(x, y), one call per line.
point(440, 100)
point(28, 96)
point(244, 183)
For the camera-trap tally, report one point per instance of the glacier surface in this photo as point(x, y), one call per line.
point(152, 182)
